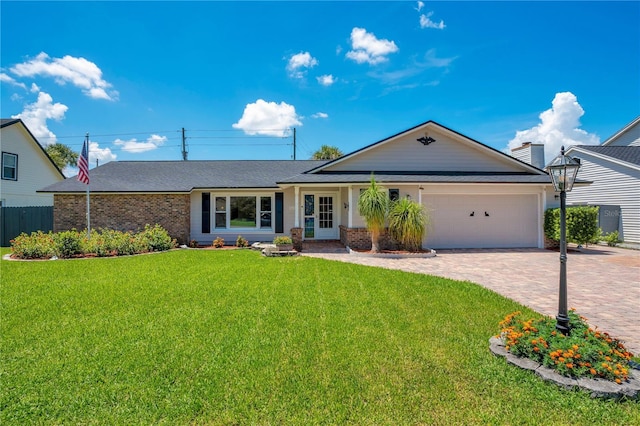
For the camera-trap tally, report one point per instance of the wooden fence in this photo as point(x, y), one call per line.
point(15, 220)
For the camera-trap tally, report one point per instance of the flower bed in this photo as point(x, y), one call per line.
point(584, 352)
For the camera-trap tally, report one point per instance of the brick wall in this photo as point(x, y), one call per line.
point(296, 237)
point(125, 212)
point(360, 239)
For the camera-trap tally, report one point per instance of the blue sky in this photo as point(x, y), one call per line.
point(238, 76)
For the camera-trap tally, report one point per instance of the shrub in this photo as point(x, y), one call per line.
point(582, 224)
point(103, 242)
point(67, 244)
point(241, 241)
point(584, 352)
point(407, 223)
point(218, 242)
point(154, 238)
point(193, 244)
point(282, 240)
point(612, 239)
point(38, 245)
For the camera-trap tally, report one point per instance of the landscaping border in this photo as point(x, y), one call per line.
point(598, 388)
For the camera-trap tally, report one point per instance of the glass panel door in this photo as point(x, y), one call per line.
point(325, 212)
point(309, 216)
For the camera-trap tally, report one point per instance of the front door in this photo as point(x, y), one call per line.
point(320, 221)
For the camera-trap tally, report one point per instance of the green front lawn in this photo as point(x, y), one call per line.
point(231, 337)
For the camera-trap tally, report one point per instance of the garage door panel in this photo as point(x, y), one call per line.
point(482, 221)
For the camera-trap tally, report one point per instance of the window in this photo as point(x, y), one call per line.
point(265, 212)
point(9, 166)
point(243, 212)
point(221, 212)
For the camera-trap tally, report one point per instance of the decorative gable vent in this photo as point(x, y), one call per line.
point(426, 139)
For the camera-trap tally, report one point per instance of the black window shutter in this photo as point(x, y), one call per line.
point(279, 212)
point(206, 213)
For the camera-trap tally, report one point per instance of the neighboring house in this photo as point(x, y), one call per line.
point(25, 168)
point(476, 196)
point(614, 168)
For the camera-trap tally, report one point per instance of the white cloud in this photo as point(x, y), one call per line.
point(426, 22)
point(78, 71)
point(299, 63)
point(326, 80)
point(268, 118)
point(34, 88)
point(431, 61)
point(320, 115)
point(133, 146)
point(559, 126)
point(35, 117)
point(419, 6)
point(367, 48)
point(6, 78)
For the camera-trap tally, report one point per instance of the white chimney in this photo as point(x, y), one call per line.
point(530, 153)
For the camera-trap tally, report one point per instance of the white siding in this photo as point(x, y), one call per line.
point(35, 171)
point(629, 137)
point(448, 153)
point(613, 184)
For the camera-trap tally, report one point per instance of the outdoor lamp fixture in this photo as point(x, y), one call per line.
point(563, 171)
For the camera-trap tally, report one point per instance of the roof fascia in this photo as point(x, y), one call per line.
point(621, 132)
point(603, 157)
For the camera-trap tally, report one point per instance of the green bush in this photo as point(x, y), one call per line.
point(407, 223)
point(67, 244)
point(38, 245)
point(582, 224)
point(241, 241)
point(612, 239)
point(154, 238)
point(103, 242)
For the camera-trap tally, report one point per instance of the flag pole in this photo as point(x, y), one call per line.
point(88, 203)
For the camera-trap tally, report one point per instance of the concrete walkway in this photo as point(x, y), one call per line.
point(603, 282)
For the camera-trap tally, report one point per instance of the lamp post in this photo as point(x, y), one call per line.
point(563, 171)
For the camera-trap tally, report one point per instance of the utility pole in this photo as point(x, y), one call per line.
point(184, 146)
point(294, 144)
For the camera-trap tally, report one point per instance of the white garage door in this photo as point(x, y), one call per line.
point(481, 221)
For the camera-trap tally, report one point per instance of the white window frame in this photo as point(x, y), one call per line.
point(15, 166)
point(227, 212)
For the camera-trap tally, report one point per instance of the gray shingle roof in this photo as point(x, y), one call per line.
point(629, 154)
point(183, 176)
point(7, 121)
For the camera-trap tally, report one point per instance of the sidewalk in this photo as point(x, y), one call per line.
point(603, 282)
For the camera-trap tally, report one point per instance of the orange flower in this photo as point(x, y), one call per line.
point(536, 349)
point(592, 371)
point(569, 365)
point(618, 381)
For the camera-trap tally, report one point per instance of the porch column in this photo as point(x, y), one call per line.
point(296, 216)
point(351, 207)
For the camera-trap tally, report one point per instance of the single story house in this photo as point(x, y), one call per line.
point(614, 168)
point(476, 196)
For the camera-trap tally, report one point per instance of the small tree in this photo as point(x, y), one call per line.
point(327, 152)
point(407, 223)
point(373, 205)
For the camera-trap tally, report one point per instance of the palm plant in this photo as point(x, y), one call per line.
point(407, 223)
point(327, 152)
point(373, 205)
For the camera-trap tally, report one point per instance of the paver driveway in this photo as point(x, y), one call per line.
point(603, 282)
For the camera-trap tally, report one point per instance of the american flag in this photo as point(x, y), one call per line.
point(83, 164)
